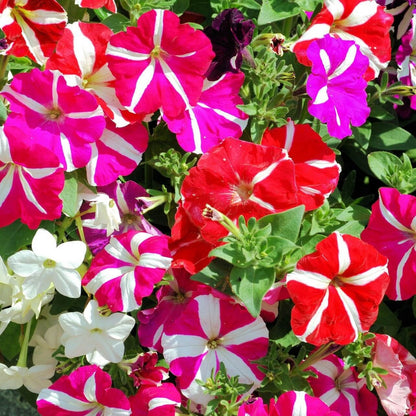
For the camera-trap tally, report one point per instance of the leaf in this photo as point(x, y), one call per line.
point(388, 136)
point(250, 285)
point(69, 196)
point(381, 164)
point(3, 112)
point(274, 10)
point(215, 274)
point(9, 341)
point(116, 22)
point(180, 6)
point(387, 322)
point(248, 4)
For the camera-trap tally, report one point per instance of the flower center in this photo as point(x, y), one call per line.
point(129, 218)
point(214, 343)
point(337, 281)
point(49, 264)
point(156, 52)
point(54, 114)
point(242, 192)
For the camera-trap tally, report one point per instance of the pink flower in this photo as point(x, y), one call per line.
point(400, 383)
point(145, 372)
point(159, 64)
point(391, 230)
point(127, 269)
point(214, 117)
point(337, 290)
point(64, 118)
point(336, 85)
point(86, 391)
point(31, 180)
point(363, 21)
point(254, 407)
point(32, 27)
point(316, 170)
point(341, 389)
point(211, 330)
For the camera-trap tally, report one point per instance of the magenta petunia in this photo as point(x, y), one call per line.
point(31, 180)
point(86, 391)
point(32, 27)
point(336, 85)
point(59, 116)
point(159, 64)
point(126, 270)
point(214, 117)
point(209, 331)
point(362, 21)
point(392, 230)
point(337, 290)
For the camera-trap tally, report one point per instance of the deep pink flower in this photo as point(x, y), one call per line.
point(32, 27)
point(391, 230)
point(341, 389)
point(211, 330)
point(397, 396)
point(159, 64)
point(316, 170)
point(336, 85)
point(145, 371)
point(337, 290)
point(214, 117)
point(31, 180)
point(86, 391)
point(64, 118)
point(127, 269)
point(254, 407)
point(362, 21)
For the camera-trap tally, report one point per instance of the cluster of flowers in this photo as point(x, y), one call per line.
point(83, 111)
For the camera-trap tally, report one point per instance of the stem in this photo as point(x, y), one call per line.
point(22, 361)
point(319, 354)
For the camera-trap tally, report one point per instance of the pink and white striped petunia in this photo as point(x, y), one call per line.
point(81, 52)
point(211, 330)
point(392, 230)
point(116, 153)
point(336, 85)
point(341, 388)
point(337, 290)
point(362, 21)
point(298, 403)
point(86, 391)
point(64, 118)
point(159, 64)
point(316, 169)
point(32, 27)
point(214, 117)
point(127, 269)
point(31, 180)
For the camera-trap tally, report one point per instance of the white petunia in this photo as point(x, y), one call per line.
point(99, 338)
point(48, 263)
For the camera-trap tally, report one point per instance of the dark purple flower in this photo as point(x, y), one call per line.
point(229, 35)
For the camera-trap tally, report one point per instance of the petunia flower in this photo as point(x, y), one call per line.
point(86, 391)
point(145, 372)
point(229, 33)
point(211, 330)
point(316, 170)
point(337, 290)
point(32, 27)
point(48, 263)
point(126, 270)
point(362, 21)
point(399, 384)
point(96, 4)
point(391, 230)
point(336, 85)
point(341, 389)
point(46, 345)
point(56, 115)
point(159, 64)
point(100, 338)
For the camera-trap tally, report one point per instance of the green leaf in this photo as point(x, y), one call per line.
point(382, 163)
point(274, 10)
point(248, 4)
point(388, 136)
point(288, 340)
point(180, 6)
point(9, 341)
point(116, 22)
point(3, 112)
point(69, 197)
point(387, 322)
point(285, 224)
point(250, 285)
point(215, 274)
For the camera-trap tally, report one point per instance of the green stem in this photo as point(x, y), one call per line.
point(22, 361)
point(319, 354)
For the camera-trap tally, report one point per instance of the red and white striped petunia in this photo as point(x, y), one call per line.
point(86, 391)
point(316, 169)
point(214, 117)
point(337, 290)
point(59, 116)
point(363, 21)
point(159, 64)
point(32, 27)
point(127, 269)
point(96, 4)
point(31, 180)
point(392, 230)
point(210, 331)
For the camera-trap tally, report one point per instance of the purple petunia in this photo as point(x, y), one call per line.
point(336, 85)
